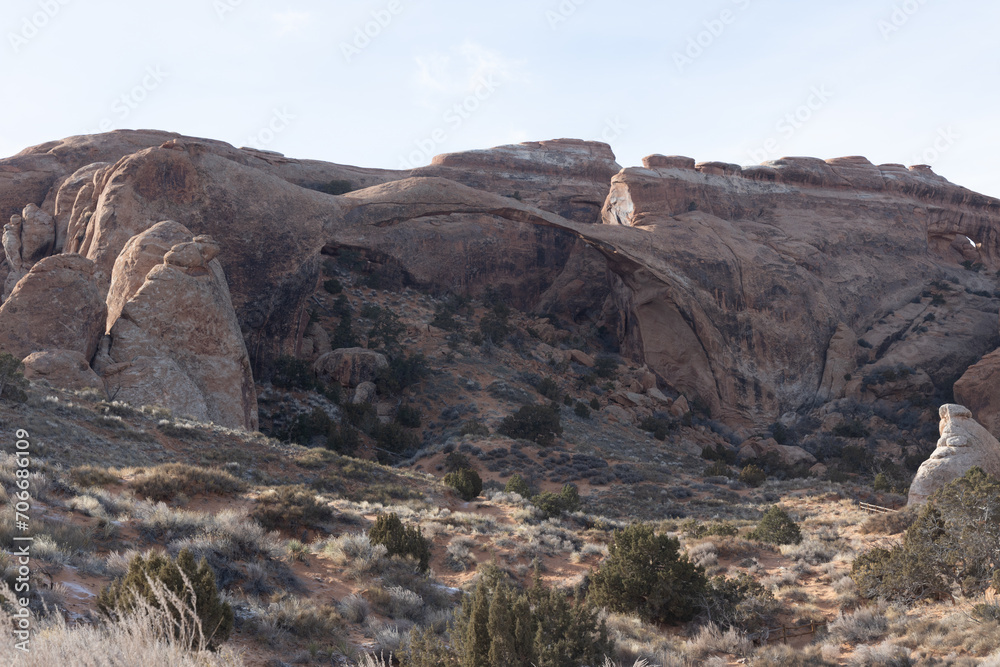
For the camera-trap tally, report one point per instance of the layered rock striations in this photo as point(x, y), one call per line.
point(735, 281)
point(751, 290)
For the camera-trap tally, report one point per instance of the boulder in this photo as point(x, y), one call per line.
point(582, 358)
point(680, 407)
point(964, 443)
point(754, 448)
point(350, 366)
point(618, 414)
point(141, 253)
point(979, 390)
point(38, 234)
point(66, 369)
point(56, 306)
point(658, 396)
point(177, 342)
point(364, 393)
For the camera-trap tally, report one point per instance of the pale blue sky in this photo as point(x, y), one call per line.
point(894, 80)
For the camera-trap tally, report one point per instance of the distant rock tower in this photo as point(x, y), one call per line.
point(964, 443)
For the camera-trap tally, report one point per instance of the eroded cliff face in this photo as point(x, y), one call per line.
point(754, 291)
point(737, 280)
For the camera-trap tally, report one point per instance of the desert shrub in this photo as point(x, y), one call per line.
point(698, 529)
point(953, 543)
point(776, 527)
point(719, 453)
point(343, 439)
point(538, 423)
point(555, 504)
point(740, 602)
point(780, 433)
point(549, 389)
point(851, 428)
point(88, 476)
point(333, 286)
point(189, 585)
point(495, 325)
point(400, 540)
point(717, 469)
point(752, 476)
point(386, 328)
point(466, 482)
point(393, 440)
point(167, 481)
point(501, 625)
point(455, 461)
point(408, 416)
point(343, 334)
point(595, 404)
point(289, 372)
point(658, 428)
point(517, 484)
point(403, 372)
point(290, 507)
point(13, 385)
point(645, 573)
point(474, 427)
point(606, 367)
point(581, 410)
point(863, 625)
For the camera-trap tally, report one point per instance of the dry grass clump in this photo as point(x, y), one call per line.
point(87, 476)
point(459, 555)
point(864, 625)
point(886, 654)
point(712, 639)
point(290, 507)
point(889, 524)
point(354, 608)
point(299, 617)
point(149, 637)
point(779, 655)
point(810, 551)
point(357, 553)
point(167, 481)
point(636, 640)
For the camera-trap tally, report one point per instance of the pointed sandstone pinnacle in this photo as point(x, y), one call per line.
point(964, 443)
point(175, 340)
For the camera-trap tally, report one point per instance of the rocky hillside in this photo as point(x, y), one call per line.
point(253, 358)
point(754, 292)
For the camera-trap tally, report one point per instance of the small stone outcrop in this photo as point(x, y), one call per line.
point(964, 443)
point(56, 306)
point(66, 369)
point(350, 367)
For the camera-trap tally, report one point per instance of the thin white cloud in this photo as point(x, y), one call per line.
point(291, 22)
point(461, 71)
